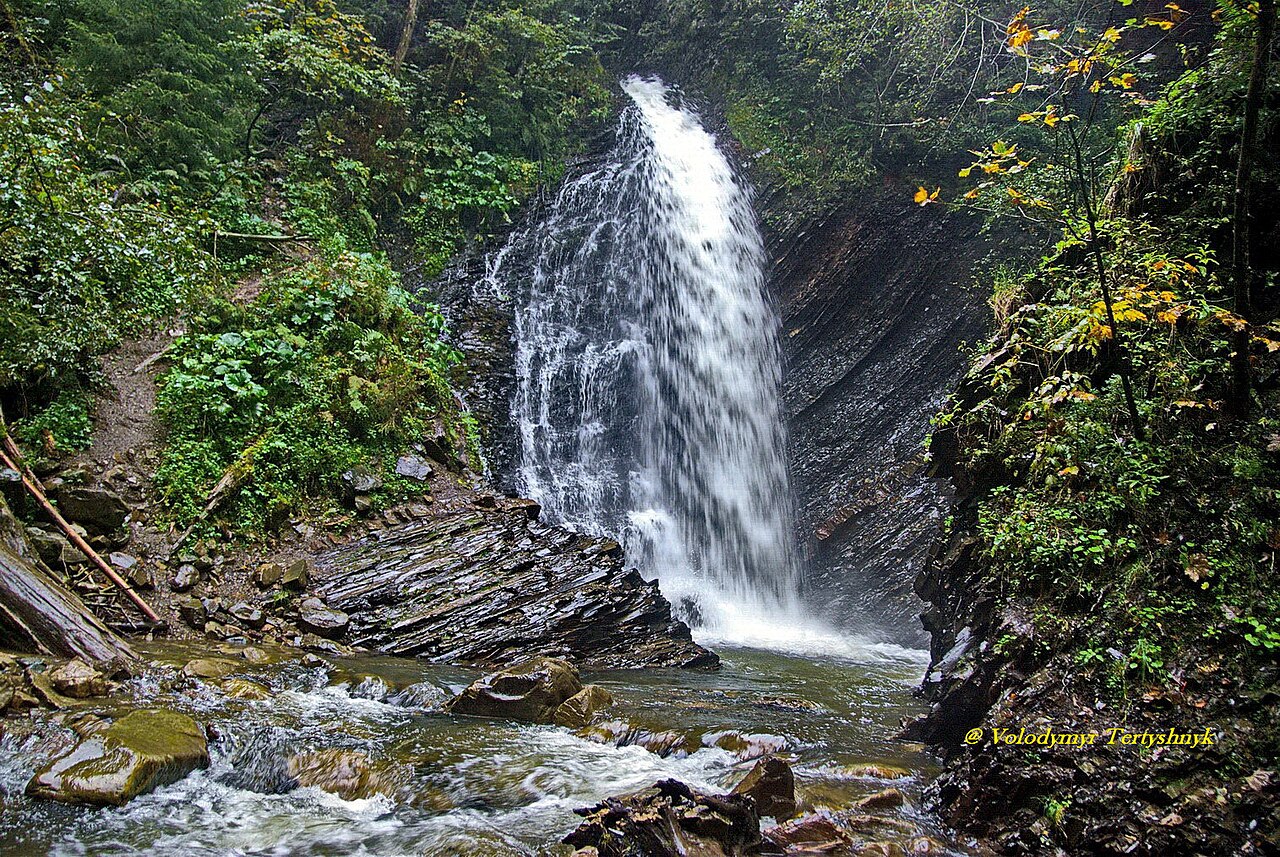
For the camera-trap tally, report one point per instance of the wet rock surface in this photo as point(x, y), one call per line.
point(492, 587)
point(138, 753)
point(874, 304)
point(670, 819)
point(772, 788)
point(530, 692)
point(579, 710)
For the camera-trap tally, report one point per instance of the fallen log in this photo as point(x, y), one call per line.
point(40, 614)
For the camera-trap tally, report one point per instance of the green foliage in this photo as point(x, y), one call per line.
point(64, 426)
point(79, 266)
point(157, 79)
point(330, 367)
point(1150, 545)
point(173, 122)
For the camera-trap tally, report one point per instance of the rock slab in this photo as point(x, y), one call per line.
point(138, 753)
point(491, 587)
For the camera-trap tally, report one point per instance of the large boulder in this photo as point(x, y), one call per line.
point(530, 692)
point(670, 819)
point(96, 508)
point(138, 753)
point(772, 787)
point(322, 620)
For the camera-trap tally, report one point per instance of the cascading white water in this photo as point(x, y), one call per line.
point(648, 373)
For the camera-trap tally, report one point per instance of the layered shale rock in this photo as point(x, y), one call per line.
point(875, 303)
point(493, 587)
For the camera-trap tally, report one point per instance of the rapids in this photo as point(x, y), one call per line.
point(465, 786)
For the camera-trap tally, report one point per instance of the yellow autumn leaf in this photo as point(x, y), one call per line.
point(923, 197)
point(1027, 117)
point(1020, 38)
point(1016, 88)
point(1111, 34)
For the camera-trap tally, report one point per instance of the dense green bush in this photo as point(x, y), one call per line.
point(330, 367)
point(79, 266)
point(1149, 544)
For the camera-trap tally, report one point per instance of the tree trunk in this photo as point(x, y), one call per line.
point(38, 613)
point(406, 36)
point(1240, 216)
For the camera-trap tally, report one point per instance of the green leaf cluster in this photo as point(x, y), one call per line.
point(330, 367)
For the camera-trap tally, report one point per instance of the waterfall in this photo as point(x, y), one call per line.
point(648, 370)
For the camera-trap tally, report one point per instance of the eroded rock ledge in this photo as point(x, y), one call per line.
point(490, 586)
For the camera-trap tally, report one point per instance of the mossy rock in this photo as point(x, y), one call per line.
point(138, 753)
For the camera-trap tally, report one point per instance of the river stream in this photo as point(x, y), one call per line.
point(448, 785)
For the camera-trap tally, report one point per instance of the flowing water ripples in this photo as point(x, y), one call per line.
point(471, 786)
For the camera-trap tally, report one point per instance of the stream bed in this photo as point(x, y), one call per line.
point(444, 785)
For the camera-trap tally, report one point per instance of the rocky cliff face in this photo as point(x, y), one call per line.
point(875, 301)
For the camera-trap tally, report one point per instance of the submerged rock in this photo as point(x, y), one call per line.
point(772, 787)
point(488, 587)
point(345, 773)
point(210, 667)
point(530, 692)
point(134, 755)
point(660, 742)
point(886, 799)
point(813, 834)
point(670, 819)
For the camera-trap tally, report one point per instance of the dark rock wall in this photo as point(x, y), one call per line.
point(876, 298)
